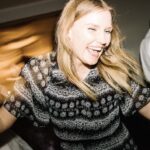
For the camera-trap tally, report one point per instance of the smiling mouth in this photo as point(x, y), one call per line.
point(98, 50)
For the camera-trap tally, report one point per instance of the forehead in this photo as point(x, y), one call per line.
point(99, 17)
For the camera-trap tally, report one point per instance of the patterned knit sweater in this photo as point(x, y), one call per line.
point(47, 97)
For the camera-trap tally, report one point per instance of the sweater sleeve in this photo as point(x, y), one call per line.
point(28, 98)
point(139, 97)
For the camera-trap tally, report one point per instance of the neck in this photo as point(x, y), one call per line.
point(82, 70)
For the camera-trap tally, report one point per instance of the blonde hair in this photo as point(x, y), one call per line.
point(115, 65)
point(21, 42)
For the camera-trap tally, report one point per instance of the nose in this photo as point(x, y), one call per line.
point(101, 39)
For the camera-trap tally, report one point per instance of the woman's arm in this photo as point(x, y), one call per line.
point(145, 111)
point(6, 119)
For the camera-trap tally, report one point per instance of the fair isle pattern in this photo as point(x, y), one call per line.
point(80, 123)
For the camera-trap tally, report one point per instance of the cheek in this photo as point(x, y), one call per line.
point(108, 40)
point(75, 36)
point(79, 38)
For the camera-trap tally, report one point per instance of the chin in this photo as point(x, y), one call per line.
point(92, 64)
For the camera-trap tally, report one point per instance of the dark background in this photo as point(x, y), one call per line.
point(134, 20)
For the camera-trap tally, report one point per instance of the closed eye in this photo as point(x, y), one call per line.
point(92, 29)
point(108, 31)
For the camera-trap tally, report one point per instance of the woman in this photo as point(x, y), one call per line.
point(83, 87)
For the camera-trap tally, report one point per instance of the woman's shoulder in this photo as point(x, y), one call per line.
point(40, 59)
point(43, 60)
point(38, 66)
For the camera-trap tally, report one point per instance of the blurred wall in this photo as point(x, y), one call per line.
point(133, 18)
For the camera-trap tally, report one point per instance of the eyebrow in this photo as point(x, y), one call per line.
point(89, 24)
point(110, 28)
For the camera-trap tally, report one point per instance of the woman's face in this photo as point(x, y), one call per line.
point(88, 36)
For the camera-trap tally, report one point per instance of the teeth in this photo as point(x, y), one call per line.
point(98, 50)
